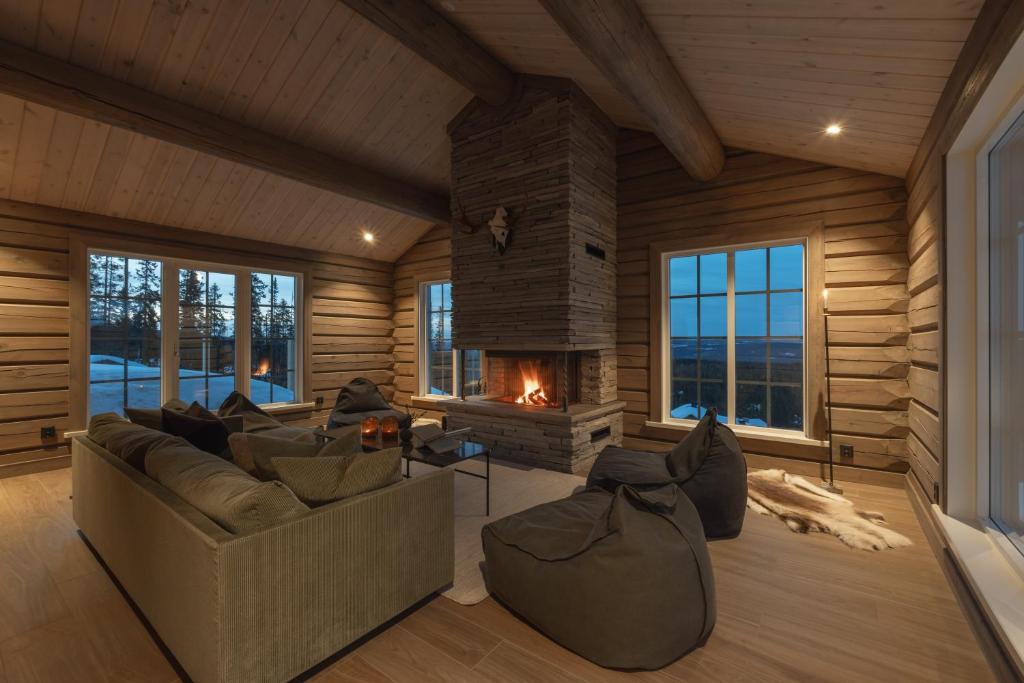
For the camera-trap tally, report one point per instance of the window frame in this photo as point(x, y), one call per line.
point(423, 348)
point(806, 230)
point(170, 359)
point(730, 315)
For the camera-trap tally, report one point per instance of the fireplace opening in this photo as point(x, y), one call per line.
point(538, 379)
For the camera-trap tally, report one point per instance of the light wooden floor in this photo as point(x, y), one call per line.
point(791, 608)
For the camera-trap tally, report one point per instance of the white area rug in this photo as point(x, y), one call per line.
point(513, 488)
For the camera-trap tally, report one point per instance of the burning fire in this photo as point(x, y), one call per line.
point(533, 392)
point(263, 369)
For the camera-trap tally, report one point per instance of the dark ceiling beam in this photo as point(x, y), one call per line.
point(57, 84)
point(615, 36)
point(426, 32)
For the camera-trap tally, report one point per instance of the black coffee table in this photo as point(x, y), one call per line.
point(467, 450)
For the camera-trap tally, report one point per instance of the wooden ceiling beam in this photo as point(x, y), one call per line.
point(429, 34)
point(615, 36)
point(66, 87)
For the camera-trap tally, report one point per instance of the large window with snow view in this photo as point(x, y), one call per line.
point(162, 329)
point(735, 335)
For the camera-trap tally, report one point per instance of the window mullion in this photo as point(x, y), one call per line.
point(169, 338)
point(243, 331)
point(730, 345)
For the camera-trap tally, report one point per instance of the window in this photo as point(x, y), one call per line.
point(124, 328)
point(206, 336)
point(203, 354)
point(735, 335)
point(1006, 333)
point(274, 357)
point(439, 362)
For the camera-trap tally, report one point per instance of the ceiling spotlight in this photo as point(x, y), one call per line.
point(834, 129)
point(368, 236)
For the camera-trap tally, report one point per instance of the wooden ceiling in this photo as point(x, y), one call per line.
point(770, 75)
point(313, 72)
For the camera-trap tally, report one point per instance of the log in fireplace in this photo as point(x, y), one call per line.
point(545, 379)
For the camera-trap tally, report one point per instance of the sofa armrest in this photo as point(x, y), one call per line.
point(295, 593)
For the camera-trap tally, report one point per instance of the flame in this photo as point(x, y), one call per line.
point(533, 392)
point(263, 369)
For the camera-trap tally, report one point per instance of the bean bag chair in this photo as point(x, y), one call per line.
point(622, 579)
point(361, 398)
point(708, 465)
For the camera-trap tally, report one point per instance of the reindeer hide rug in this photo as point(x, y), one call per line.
point(805, 507)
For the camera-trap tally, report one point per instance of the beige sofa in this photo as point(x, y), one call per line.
point(268, 605)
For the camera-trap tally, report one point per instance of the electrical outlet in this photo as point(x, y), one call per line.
point(49, 432)
point(319, 402)
point(845, 450)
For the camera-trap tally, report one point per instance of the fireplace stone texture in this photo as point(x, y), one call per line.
point(547, 158)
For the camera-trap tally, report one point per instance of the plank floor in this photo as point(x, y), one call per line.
point(791, 608)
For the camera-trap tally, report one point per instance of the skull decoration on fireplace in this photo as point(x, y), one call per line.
point(499, 230)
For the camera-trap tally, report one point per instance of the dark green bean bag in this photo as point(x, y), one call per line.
point(708, 465)
point(622, 579)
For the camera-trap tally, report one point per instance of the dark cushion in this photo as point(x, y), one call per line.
point(616, 466)
point(343, 419)
point(710, 468)
point(622, 579)
point(210, 435)
point(151, 417)
point(360, 395)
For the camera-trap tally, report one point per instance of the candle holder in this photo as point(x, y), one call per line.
point(370, 427)
point(389, 428)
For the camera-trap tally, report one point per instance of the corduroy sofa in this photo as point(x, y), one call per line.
point(267, 605)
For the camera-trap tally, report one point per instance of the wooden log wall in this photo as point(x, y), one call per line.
point(351, 323)
point(866, 270)
point(427, 260)
point(994, 33)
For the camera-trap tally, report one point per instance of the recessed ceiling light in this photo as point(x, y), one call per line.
point(368, 236)
point(834, 129)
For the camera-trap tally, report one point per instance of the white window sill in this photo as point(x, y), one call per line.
point(433, 398)
point(288, 407)
point(777, 435)
point(997, 582)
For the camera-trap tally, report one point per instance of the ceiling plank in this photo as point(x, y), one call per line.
point(426, 32)
point(616, 37)
point(54, 83)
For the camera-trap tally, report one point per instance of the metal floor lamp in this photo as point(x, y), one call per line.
point(829, 484)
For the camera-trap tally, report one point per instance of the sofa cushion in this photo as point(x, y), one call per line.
point(208, 434)
point(123, 439)
point(255, 418)
point(152, 417)
point(320, 480)
point(233, 499)
point(254, 452)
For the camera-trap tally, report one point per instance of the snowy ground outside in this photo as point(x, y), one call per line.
point(144, 387)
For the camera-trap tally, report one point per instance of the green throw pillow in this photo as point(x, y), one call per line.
point(254, 453)
point(320, 480)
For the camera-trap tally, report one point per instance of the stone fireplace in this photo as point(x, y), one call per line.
point(543, 308)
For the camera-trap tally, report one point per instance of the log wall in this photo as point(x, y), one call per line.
point(351, 322)
point(994, 33)
point(866, 269)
